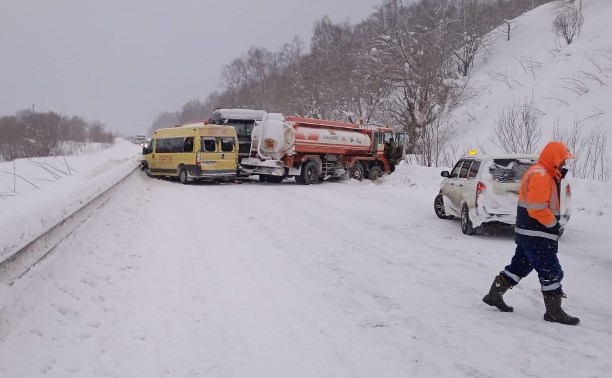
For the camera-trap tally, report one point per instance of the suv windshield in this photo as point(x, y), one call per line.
point(509, 170)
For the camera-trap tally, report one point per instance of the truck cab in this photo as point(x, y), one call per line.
point(243, 120)
point(393, 146)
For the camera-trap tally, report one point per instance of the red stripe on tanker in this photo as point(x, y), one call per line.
point(339, 138)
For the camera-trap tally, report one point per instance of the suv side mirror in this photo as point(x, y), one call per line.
point(444, 174)
point(145, 151)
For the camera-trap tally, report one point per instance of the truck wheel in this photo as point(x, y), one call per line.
point(183, 175)
point(375, 172)
point(466, 224)
point(310, 173)
point(357, 171)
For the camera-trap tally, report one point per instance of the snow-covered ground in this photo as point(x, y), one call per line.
point(346, 279)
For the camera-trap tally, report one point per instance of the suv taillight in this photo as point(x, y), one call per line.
point(198, 159)
point(480, 187)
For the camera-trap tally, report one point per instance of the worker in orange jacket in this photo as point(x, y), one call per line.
point(537, 233)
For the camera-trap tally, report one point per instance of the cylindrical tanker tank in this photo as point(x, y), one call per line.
point(275, 135)
point(328, 139)
point(272, 137)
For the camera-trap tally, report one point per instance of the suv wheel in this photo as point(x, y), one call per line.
point(439, 207)
point(466, 224)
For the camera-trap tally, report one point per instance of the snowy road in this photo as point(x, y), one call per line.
point(342, 279)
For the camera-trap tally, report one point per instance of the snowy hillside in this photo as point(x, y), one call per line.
point(565, 83)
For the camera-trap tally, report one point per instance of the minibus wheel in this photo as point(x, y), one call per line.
point(183, 175)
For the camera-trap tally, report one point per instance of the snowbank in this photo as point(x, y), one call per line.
point(39, 192)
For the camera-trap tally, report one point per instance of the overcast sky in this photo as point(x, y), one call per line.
point(123, 62)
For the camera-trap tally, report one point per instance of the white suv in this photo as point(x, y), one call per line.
point(485, 188)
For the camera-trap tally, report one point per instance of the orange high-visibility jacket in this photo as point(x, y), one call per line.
point(538, 206)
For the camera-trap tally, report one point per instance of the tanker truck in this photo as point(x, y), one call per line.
point(313, 149)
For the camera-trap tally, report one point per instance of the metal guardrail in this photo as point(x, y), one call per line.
point(24, 259)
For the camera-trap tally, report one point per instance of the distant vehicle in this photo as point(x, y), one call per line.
point(140, 140)
point(244, 122)
point(192, 152)
point(314, 149)
point(483, 189)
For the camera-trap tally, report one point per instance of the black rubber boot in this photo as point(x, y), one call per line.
point(554, 312)
point(495, 297)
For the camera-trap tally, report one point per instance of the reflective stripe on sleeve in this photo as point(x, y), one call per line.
point(534, 206)
point(536, 234)
point(554, 286)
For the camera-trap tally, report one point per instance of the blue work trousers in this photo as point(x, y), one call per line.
point(538, 255)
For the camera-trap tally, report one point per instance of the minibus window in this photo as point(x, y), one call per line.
point(162, 145)
point(209, 145)
point(169, 145)
point(227, 144)
point(188, 144)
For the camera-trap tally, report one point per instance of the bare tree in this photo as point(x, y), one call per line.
point(362, 94)
point(590, 160)
point(165, 119)
point(12, 138)
point(74, 129)
point(433, 144)
point(568, 24)
point(193, 111)
point(474, 29)
point(30, 134)
point(517, 129)
point(42, 132)
point(328, 70)
point(98, 134)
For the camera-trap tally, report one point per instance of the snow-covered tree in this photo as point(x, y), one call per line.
point(473, 32)
point(415, 55)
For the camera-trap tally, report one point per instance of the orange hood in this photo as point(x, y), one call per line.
point(553, 154)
